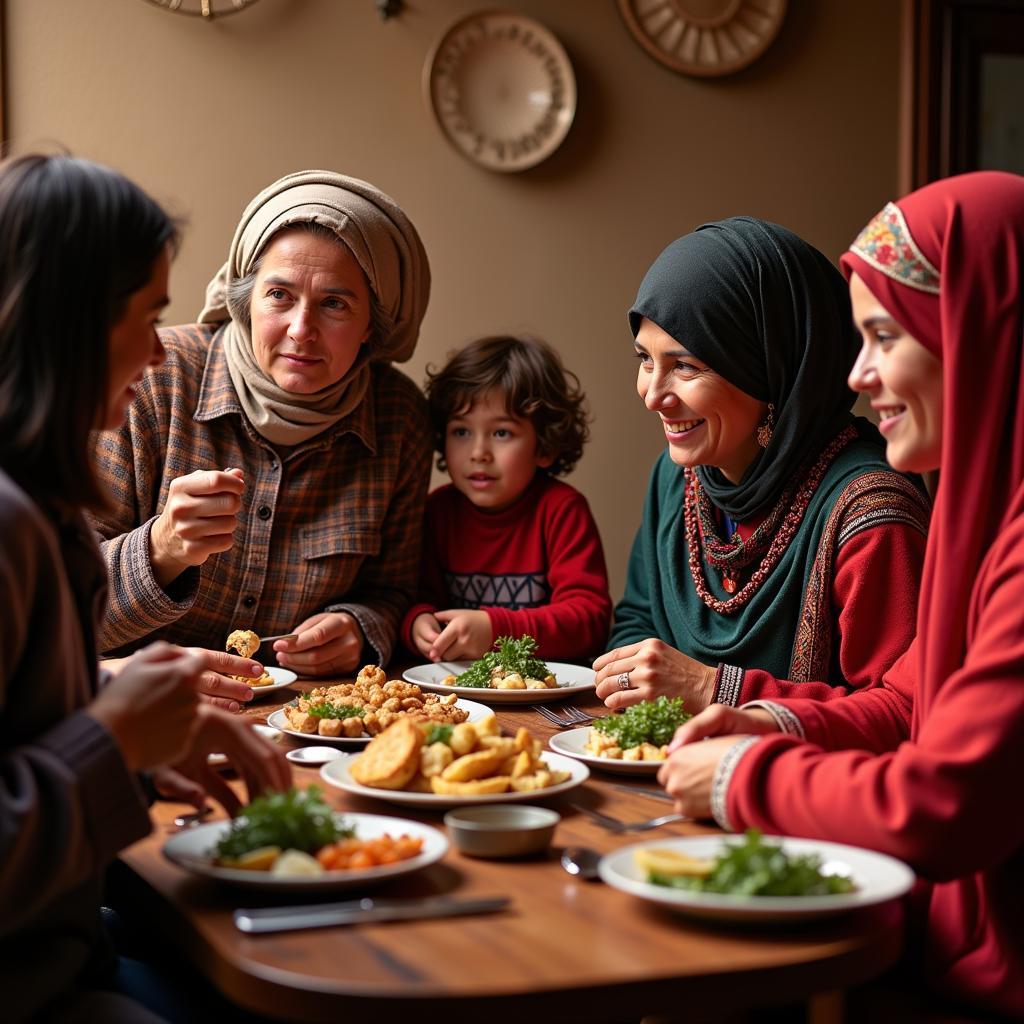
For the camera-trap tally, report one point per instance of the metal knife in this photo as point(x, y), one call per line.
point(326, 915)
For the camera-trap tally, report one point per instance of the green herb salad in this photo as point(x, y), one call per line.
point(752, 867)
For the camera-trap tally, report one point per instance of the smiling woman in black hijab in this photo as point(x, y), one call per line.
point(779, 555)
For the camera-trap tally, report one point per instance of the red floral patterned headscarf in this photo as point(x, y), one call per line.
point(947, 262)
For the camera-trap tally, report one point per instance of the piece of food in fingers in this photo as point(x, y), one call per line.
point(245, 643)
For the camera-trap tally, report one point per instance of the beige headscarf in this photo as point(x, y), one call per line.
point(386, 247)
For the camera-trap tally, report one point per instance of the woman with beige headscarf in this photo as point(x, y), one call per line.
point(273, 469)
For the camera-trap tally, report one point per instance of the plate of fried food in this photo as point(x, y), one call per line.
point(294, 841)
point(632, 742)
point(754, 877)
point(510, 674)
point(415, 764)
point(351, 714)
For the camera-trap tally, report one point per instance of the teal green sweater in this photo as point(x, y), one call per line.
point(661, 601)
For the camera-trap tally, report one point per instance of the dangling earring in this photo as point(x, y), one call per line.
point(764, 432)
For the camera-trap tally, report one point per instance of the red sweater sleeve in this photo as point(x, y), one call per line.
point(574, 624)
point(874, 596)
point(938, 801)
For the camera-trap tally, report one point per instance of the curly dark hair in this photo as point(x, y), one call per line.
point(536, 386)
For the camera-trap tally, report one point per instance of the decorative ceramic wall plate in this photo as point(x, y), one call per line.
point(502, 89)
point(704, 37)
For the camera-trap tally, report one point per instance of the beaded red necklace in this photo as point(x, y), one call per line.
point(768, 541)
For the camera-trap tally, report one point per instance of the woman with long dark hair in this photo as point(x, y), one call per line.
point(84, 258)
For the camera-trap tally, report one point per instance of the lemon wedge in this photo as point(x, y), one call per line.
point(260, 859)
point(672, 862)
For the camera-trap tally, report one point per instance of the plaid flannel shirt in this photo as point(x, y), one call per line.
point(334, 525)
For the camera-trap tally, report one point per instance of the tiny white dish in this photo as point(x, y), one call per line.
point(313, 757)
point(572, 742)
point(336, 773)
point(282, 677)
point(266, 731)
point(571, 679)
point(877, 876)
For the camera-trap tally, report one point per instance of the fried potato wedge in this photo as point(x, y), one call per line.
point(474, 787)
point(473, 766)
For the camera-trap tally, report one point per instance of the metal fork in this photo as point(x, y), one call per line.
point(573, 716)
point(620, 827)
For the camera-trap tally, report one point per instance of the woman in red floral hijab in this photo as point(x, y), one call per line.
point(928, 766)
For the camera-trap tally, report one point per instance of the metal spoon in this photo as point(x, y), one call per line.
point(581, 861)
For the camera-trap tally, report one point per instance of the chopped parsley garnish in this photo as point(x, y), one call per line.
point(439, 734)
point(295, 820)
point(325, 709)
point(510, 656)
point(755, 867)
point(650, 721)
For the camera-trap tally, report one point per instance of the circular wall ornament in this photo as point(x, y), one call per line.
point(208, 9)
point(704, 37)
point(502, 90)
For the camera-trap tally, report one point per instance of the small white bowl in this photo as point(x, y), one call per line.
point(502, 830)
point(313, 756)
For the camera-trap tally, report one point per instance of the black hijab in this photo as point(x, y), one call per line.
point(771, 315)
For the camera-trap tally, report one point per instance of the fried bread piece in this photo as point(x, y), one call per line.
point(391, 758)
point(244, 641)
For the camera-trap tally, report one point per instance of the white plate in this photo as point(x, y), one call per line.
point(571, 744)
point(264, 730)
point(313, 757)
point(282, 677)
point(571, 679)
point(190, 847)
point(336, 774)
point(878, 878)
point(279, 721)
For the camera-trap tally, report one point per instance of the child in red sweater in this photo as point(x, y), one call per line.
point(507, 548)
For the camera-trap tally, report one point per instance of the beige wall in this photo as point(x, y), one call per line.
point(204, 115)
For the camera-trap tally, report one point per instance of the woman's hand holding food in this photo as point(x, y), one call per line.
point(258, 761)
point(198, 520)
point(466, 633)
point(326, 644)
point(149, 706)
point(653, 669)
point(689, 772)
point(218, 685)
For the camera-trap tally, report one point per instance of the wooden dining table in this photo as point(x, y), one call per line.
point(565, 949)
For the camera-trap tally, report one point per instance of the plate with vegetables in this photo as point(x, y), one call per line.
point(294, 841)
point(633, 742)
point(755, 878)
point(278, 720)
point(512, 673)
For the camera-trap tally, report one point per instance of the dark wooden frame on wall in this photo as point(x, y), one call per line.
point(942, 46)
